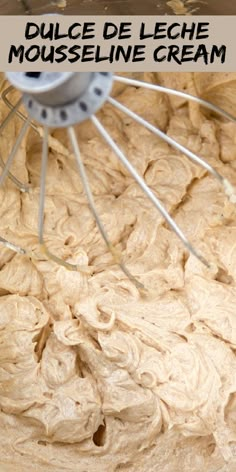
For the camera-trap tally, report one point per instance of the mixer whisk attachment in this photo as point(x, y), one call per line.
point(61, 100)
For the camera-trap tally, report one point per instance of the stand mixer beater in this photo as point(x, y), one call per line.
point(63, 99)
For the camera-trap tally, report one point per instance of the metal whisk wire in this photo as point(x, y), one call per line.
point(75, 106)
point(6, 166)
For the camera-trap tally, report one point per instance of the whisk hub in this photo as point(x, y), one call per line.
point(62, 99)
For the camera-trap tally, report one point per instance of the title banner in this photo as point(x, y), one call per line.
point(118, 43)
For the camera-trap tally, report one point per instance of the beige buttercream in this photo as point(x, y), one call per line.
point(94, 376)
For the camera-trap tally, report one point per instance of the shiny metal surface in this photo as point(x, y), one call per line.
point(114, 7)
